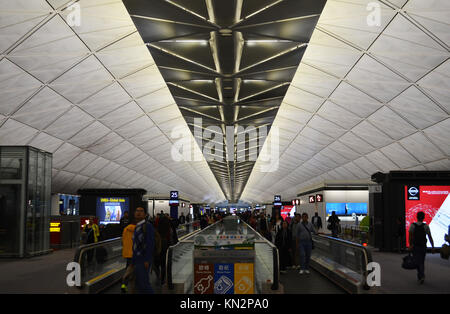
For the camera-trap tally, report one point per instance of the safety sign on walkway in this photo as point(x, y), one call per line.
point(223, 278)
point(203, 278)
point(243, 278)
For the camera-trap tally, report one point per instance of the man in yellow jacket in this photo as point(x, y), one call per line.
point(127, 250)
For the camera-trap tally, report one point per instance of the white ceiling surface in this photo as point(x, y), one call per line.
point(93, 96)
point(364, 98)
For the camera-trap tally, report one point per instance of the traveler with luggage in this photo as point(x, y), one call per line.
point(317, 222)
point(418, 233)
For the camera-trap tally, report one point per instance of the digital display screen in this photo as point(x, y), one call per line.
point(287, 210)
point(346, 209)
point(111, 209)
point(277, 204)
point(174, 202)
point(434, 201)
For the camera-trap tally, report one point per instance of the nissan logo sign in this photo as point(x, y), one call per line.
point(413, 191)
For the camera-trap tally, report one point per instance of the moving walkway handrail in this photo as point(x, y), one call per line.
point(169, 254)
point(276, 264)
point(85, 247)
point(366, 254)
point(275, 284)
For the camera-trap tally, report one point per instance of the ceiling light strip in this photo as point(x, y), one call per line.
point(257, 12)
point(273, 57)
point(168, 21)
point(192, 91)
point(281, 21)
point(181, 57)
point(264, 91)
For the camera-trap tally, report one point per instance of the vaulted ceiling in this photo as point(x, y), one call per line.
point(227, 64)
point(104, 96)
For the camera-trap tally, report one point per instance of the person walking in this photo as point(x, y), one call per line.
point(305, 229)
point(143, 246)
point(317, 222)
point(418, 233)
point(283, 240)
point(164, 230)
point(124, 221)
point(91, 235)
point(294, 247)
point(127, 252)
point(334, 224)
point(182, 219)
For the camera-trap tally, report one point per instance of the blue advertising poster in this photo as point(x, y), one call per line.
point(343, 209)
point(223, 278)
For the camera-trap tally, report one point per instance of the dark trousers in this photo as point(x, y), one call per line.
point(305, 248)
point(142, 279)
point(419, 257)
point(162, 259)
point(285, 257)
point(125, 280)
point(294, 253)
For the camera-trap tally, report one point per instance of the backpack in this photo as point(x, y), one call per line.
point(420, 236)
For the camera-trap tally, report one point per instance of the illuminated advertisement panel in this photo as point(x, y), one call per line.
point(111, 209)
point(346, 209)
point(434, 201)
point(287, 210)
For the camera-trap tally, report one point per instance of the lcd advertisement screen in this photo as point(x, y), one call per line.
point(434, 201)
point(346, 209)
point(111, 209)
point(287, 210)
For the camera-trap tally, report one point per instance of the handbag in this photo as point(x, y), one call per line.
point(409, 262)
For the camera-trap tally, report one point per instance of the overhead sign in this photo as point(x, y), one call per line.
point(173, 195)
point(319, 198)
point(312, 199)
point(277, 198)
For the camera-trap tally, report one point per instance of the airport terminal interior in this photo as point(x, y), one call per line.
point(197, 147)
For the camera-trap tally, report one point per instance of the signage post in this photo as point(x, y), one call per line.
point(174, 203)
